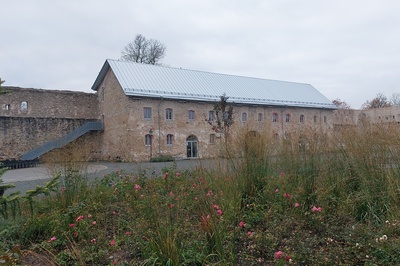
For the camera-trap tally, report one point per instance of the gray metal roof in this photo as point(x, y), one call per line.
point(176, 83)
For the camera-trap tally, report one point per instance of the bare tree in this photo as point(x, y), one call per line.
point(341, 104)
point(1, 89)
point(395, 99)
point(144, 51)
point(379, 101)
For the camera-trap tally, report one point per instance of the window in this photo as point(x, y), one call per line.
point(168, 114)
point(170, 139)
point(274, 117)
point(191, 115)
point(301, 118)
point(315, 119)
point(259, 117)
point(147, 113)
point(7, 107)
point(212, 138)
point(287, 118)
point(244, 117)
point(211, 116)
point(148, 140)
point(325, 119)
point(24, 106)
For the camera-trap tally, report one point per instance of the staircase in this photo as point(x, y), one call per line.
point(58, 143)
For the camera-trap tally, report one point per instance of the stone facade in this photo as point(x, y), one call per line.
point(21, 102)
point(174, 126)
point(138, 128)
point(31, 117)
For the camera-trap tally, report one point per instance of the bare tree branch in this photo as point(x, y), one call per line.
point(144, 51)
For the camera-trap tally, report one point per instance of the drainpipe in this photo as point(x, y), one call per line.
point(282, 117)
point(159, 126)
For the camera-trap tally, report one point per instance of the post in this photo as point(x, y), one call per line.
point(151, 143)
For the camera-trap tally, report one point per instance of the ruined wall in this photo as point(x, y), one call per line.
point(31, 117)
point(21, 134)
point(22, 102)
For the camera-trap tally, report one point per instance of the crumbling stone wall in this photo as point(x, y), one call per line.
point(21, 134)
point(31, 117)
point(22, 102)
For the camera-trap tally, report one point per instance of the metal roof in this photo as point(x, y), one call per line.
point(176, 83)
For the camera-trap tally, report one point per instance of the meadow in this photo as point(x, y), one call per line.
point(307, 199)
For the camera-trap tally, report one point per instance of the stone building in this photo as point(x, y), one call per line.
point(152, 110)
point(147, 111)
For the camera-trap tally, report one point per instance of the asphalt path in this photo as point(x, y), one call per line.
point(28, 178)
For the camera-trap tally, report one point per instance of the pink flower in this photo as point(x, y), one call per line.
point(63, 189)
point(94, 223)
point(115, 262)
point(137, 187)
point(75, 234)
point(209, 193)
point(177, 174)
point(89, 216)
point(276, 190)
point(113, 213)
point(71, 225)
point(80, 217)
point(296, 204)
point(215, 206)
point(196, 198)
point(171, 194)
point(112, 242)
point(93, 240)
point(284, 195)
point(242, 224)
point(127, 233)
point(219, 212)
point(278, 254)
point(171, 206)
point(287, 258)
point(249, 233)
point(53, 239)
point(316, 209)
point(165, 176)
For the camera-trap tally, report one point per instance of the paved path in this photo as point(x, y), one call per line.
point(28, 178)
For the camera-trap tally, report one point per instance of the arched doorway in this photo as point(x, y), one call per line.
point(192, 150)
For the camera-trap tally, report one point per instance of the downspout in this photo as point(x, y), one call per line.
point(282, 117)
point(159, 126)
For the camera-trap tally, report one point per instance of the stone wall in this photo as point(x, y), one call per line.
point(21, 134)
point(124, 136)
point(22, 102)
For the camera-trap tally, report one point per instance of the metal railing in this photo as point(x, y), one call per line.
point(58, 143)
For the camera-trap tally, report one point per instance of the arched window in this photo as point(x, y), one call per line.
point(259, 117)
point(24, 106)
point(211, 116)
point(244, 117)
point(301, 118)
point(315, 119)
point(170, 139)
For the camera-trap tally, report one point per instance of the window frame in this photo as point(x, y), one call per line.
point(147, 113)
point(191, 115)
point(170, 139)
point(275, 117)
point(302, 118)
point(287, 118)
point(244, 117)
point(212, 138)
point(148, 140)
point(168, 114)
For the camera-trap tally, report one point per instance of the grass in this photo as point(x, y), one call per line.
point(313, 199)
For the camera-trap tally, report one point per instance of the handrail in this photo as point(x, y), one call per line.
point(58, 143)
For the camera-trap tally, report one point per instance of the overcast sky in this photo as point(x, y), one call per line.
point(347, 49)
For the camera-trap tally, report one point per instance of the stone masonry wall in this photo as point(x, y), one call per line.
point(21, 134)
point(21, 102)
point(126, 127)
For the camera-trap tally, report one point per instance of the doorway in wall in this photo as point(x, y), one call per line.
point(192, 147)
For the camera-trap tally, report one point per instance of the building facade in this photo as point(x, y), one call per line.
point(148, 111)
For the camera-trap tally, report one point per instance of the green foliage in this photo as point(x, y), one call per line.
point(314, 203)
point(162, 158)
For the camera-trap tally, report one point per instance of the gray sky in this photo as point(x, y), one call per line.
point(346, 49)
